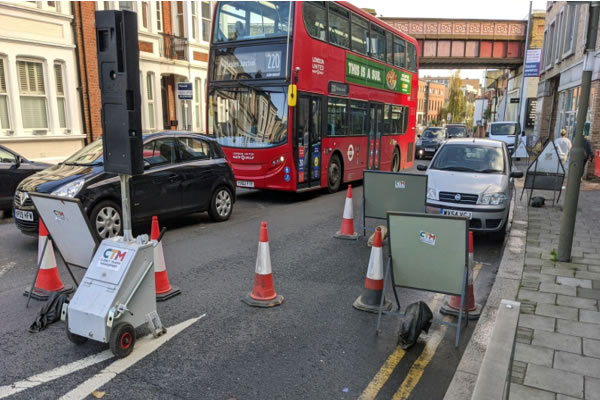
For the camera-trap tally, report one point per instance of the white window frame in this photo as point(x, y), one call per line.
point(64, 75)
point(110, 4)
point(204, 19)
point(44, 96)
point(179, 31)
point(148, 21)
point(133, 5)
point(159, 15)
point(559, 36)
point(6, 95)
point(571, 33)
point(194, 18)
point(151, 99)
point(198, 104)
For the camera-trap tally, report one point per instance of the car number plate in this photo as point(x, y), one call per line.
point(457, 213)
point(246, 184)
point(24, 215)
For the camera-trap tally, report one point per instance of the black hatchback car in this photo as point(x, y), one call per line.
point(184, 173)
point(13, 169)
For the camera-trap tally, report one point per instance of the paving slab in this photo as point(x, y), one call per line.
point(534, 354)
point(592, 388)
point(554, 380)
point(550, 310)
point(558, 289)
point(591, 348)
point(582, 365)
point(537, 322)
point(576, 282)
point(520, 392)
point(582, 329)
point(576, 302)
point(592, 317)
point(587, 275)
point(537, 297)
point(588, 293)
point(557, 341)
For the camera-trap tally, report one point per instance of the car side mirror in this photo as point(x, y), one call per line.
point(18, 161)
point(422, 167)
point(516, 174)
point(146, 165)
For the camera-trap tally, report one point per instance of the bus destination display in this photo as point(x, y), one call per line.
point(250, 63)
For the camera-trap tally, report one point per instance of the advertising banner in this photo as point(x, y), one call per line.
point(533, 63)
point(369, 73)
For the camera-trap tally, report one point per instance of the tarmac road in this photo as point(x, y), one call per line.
point(313, 346)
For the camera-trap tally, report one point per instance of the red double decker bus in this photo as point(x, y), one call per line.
point(304, 95)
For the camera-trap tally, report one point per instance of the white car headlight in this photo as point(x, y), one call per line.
point(70, 189)
point(492, 199)
point(432, 194)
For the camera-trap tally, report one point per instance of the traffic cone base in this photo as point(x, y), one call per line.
point(447, 309)
point(370, 300)
point(340, 235)
point(42, 295)
point(277, 300)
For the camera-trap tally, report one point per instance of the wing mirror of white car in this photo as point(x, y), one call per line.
point(422, 167)
point(516, 174)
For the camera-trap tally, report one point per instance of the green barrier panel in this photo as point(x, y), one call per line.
point(392, 191)
point(428, 252)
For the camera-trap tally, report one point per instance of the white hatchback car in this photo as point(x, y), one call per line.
point(472, 178)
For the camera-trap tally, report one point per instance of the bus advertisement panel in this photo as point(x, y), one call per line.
point(352, 106)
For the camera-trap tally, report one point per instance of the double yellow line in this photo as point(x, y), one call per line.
point(418, 368)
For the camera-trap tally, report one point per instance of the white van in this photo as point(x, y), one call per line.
point(504, 131)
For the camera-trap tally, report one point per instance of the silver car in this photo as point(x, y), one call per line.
point(472, 178)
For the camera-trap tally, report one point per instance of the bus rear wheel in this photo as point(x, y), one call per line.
point(396, 160)
point(334, 174)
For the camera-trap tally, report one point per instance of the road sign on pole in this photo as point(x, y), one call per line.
point(184, 91)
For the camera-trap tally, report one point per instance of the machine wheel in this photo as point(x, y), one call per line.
point(396, 160)
point(334, 174)
point(221, 204)
point(122, 339)
point(106, 219)
point(73, 338)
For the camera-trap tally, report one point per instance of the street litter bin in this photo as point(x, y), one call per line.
point(116, 296)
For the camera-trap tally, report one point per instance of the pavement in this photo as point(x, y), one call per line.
point(557, 352)
point(313, 346)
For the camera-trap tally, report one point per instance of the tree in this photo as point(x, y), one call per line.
point(456, 101)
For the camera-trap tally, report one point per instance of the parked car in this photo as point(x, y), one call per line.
point(13, 169)
point(430, 141)
point(472, 178)
point(184, 173)
point(456, 131)
point(505, 131)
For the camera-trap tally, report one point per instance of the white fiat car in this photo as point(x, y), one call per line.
point(472, 178)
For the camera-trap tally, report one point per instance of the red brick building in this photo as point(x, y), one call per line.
point(431, 99)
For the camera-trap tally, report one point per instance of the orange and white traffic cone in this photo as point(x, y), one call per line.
point(164, 290)
point(347, 230)
point(48, 279)
point(263, 294)
point(452, 306)
point(371, 297)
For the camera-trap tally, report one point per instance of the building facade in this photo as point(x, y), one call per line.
point(174, 40)
point(40, 109)
point(562, 65)
point(431, 99)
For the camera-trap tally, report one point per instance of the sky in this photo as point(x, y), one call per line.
point(464, 9)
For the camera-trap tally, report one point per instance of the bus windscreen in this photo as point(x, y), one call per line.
point(248, 20)
point(248, 117)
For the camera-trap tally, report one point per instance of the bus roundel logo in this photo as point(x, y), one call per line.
point(350, 152)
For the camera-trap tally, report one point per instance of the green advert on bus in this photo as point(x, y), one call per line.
point(365, 72)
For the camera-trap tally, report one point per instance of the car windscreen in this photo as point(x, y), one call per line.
point(89, 155)
point(248, 117)
point(433, 133)
point(456, 131)
point(503, 129)
point(248, 20)
point(469, 158)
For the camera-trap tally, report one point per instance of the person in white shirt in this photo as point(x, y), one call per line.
point(563, 145)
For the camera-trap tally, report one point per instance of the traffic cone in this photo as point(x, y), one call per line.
point(371, 297)
point(164, 290)
point(347, 230)
point(452, 306)
point(263, 294)
point(48, 279)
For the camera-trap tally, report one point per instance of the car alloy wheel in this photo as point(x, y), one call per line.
point(108, 222)
point(223, 203)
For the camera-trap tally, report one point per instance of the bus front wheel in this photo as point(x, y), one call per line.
point(396, 160)
point(334, 174)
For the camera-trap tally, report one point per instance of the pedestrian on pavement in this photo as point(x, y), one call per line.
point(563, 145)
point(588, 154)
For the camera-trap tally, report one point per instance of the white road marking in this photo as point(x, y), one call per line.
point(143, 347)
point(7, 267)
point(56, 373)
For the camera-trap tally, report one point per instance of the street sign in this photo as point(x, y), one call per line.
point(185, 91)
point(514, 100)
point(533, 63)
